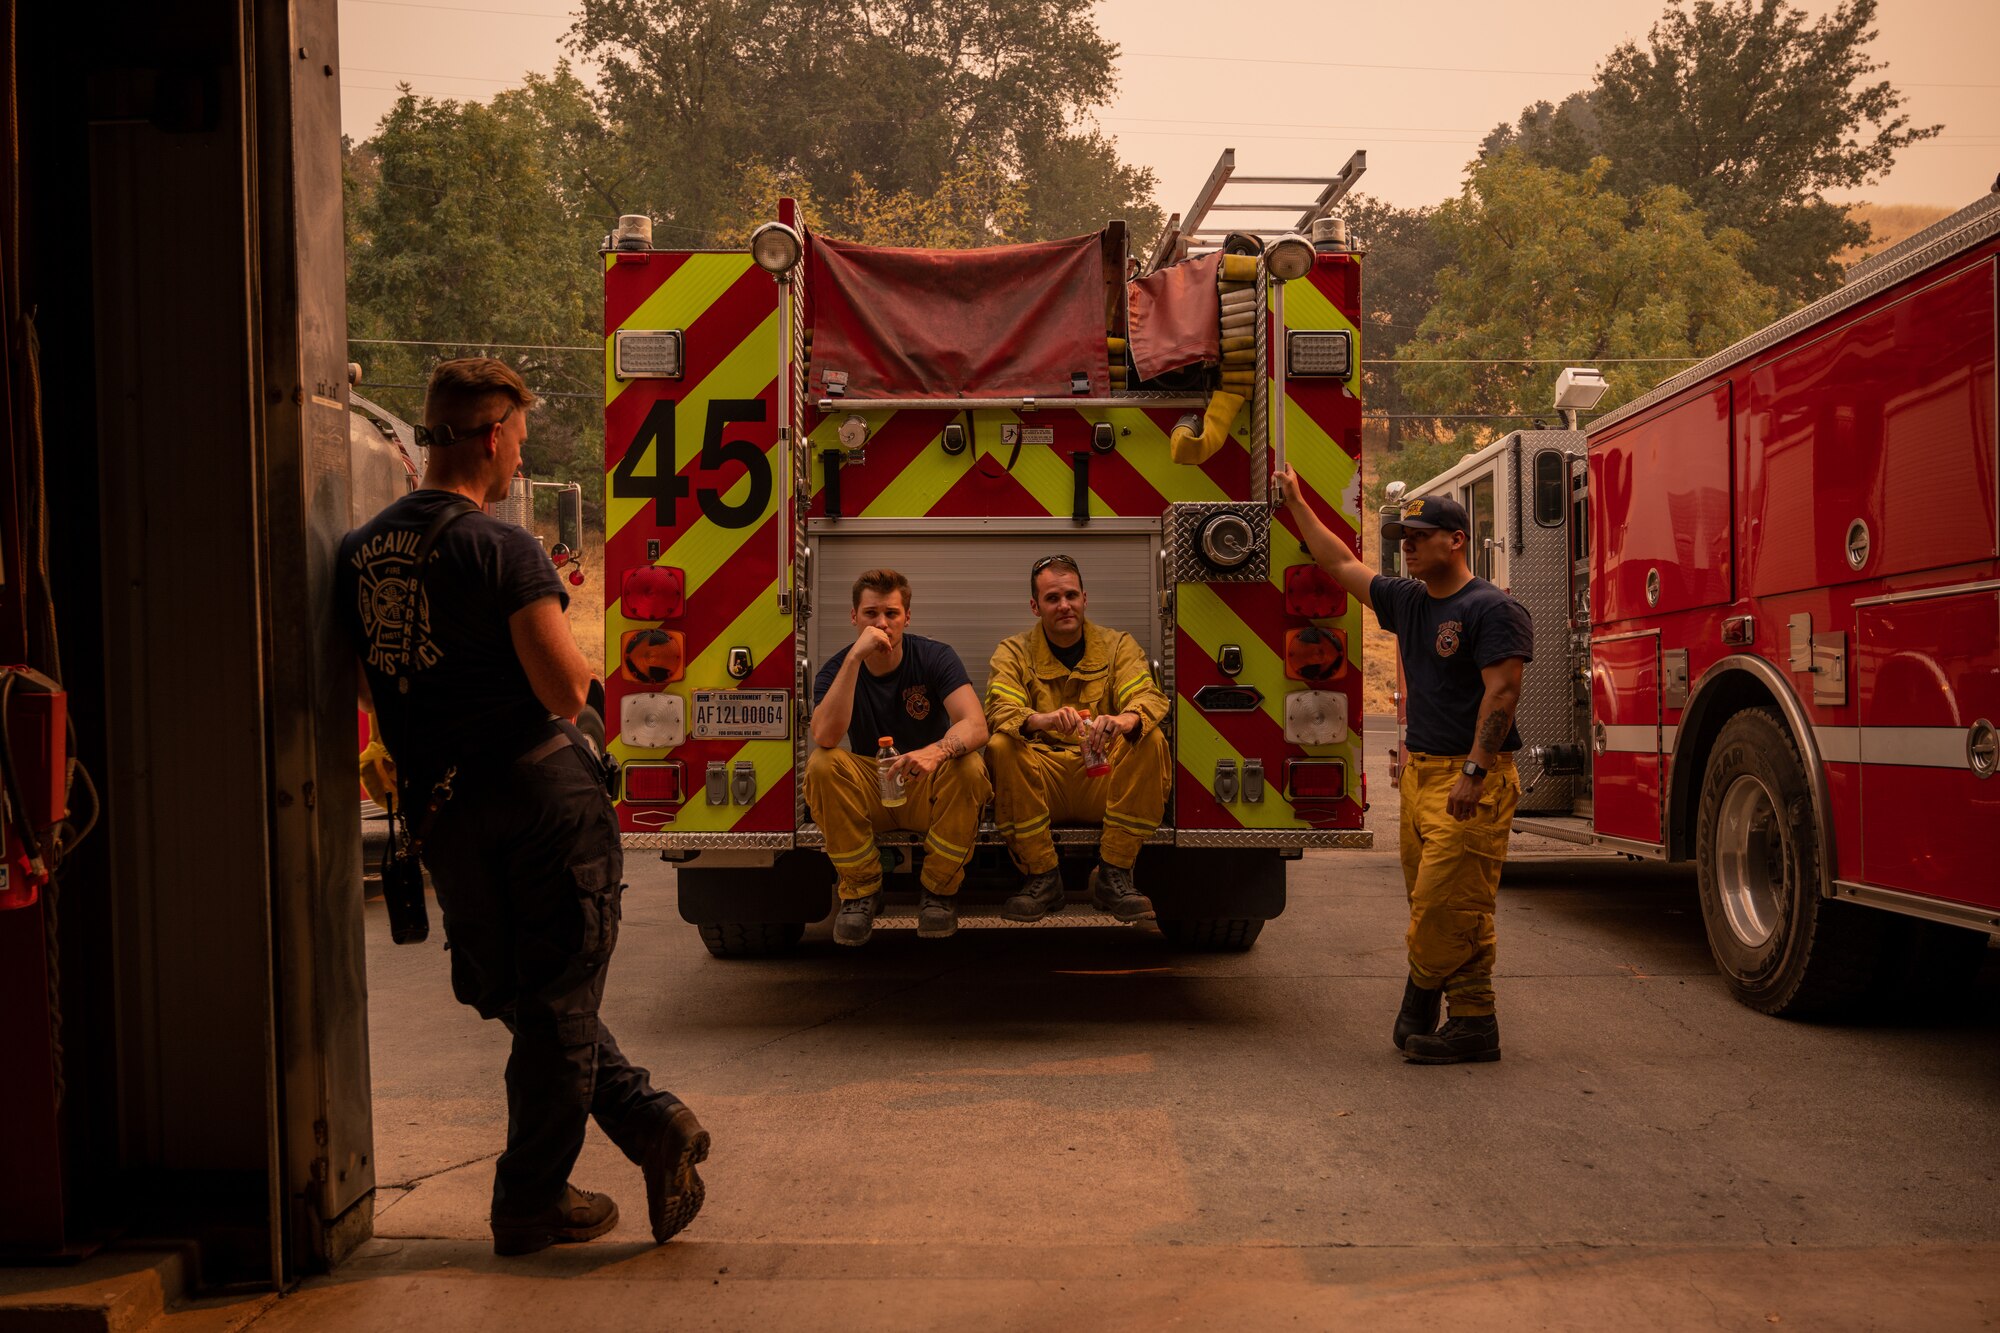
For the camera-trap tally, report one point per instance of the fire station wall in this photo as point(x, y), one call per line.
point(1888, 420)
point(1660, 513)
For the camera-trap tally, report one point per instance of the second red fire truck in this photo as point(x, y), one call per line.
point(1767, 608)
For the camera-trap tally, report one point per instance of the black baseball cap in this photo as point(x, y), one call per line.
point(1424, 514)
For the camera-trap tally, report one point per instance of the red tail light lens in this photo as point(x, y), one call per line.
point(1311, 593)
point(655, 783)
point(1315, 779)
point(653, 592)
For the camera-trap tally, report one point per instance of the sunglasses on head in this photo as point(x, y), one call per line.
point(1048, 560)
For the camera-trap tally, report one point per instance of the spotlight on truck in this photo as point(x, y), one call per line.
point(776, 248)
point(1578, 388)
point(1288, 257)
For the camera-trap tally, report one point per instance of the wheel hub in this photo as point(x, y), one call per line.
point(1750, 861)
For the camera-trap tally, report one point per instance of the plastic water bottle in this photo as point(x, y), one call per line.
point(890, 782)
point(1096, 763)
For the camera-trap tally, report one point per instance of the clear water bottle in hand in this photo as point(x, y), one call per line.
point(891, 782)
point(1096, 761)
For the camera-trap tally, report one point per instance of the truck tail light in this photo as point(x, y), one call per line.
point(652, 656)
point(1315, 779)
point(646, 354)
point(653, 592)
point(1314, 654)
point(650, 782)
point(1311, 593)
point(652, 721)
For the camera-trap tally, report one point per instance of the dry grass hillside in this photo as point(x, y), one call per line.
point(1889, 223)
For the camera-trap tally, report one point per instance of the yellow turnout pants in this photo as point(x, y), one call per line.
point(1037, 786)
point(844, 795)
point(1452, 870)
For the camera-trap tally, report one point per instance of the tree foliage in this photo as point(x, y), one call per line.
point(1753, 110)
point(1399, 286)
point(481, 221)
point(1550, 266)
point(867, 101)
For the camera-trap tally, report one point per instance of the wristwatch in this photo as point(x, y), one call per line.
point(1473, 770)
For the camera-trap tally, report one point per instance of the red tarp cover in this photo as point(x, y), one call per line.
point(1011, 320)
point(1176, 316)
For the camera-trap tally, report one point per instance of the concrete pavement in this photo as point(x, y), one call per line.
point(1027, 1128)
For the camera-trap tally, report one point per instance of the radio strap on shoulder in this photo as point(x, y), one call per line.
point(443, 519)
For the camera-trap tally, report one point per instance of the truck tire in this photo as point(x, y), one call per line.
point(752, 939)
point(1781, 946)
point(1212, 934)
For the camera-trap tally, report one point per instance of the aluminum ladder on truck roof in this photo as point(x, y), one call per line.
point(1184, 231)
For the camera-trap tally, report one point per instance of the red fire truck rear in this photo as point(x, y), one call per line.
point(779, 420)
point(1767, 611)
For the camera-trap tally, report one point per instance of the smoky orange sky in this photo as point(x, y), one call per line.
point(1293, 86)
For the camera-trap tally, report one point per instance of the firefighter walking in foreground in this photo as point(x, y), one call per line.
point(1463, 644)
point(1050, 687)
point(914, 692)
point(470, 664)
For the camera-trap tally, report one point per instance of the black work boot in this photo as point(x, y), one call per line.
point(1459, 1041)
point(937, 915)
point(674, 1192)
point(579, 1215)
point(1419, 1013)
point(1111, 891)
point(1039, 895)
point(856, 921)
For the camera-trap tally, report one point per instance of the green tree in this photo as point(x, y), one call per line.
point(1398, 288)
point(1549, 266)
point(1751, 109)
point(475, 226)
point(847, 96)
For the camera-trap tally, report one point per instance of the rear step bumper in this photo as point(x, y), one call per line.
point(810, 836)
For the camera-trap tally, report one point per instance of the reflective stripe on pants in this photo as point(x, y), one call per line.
point(1038, 786)
point(844, 795)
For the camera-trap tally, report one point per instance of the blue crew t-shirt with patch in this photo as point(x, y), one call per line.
point(1445, 642)
point(907, 704)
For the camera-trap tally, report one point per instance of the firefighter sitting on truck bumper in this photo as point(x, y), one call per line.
point(1062, 693)
point(913, 693)
point(1463, 643)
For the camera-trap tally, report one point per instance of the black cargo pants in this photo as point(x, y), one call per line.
point(528, 870)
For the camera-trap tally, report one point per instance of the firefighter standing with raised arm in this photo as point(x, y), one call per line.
point(470, 665)
point(914, 691)
point(1463, 643)
point(1052, 687)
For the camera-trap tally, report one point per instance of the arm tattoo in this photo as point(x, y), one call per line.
point(952, 746)
point(1493, 730)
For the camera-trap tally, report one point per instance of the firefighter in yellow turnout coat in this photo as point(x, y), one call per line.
point(1052, 687)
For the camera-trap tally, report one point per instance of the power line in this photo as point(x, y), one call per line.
point(1539, 361)
point(1427, 69)
point(474, 342)
point(539, 393)
point(430, 74)
point(460, 9)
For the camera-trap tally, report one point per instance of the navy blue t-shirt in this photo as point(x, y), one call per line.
point(1444, 642)
point(907, 704)
point(449, 688)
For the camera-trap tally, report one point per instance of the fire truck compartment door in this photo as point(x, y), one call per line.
point(1928, 674)
point(1625, 736)
point(1870, 451)
point(1659, 512)
point(1008, 320)
point(969, 587)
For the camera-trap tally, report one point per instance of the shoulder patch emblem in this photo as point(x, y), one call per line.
point(917, 702)
point(1448, 637)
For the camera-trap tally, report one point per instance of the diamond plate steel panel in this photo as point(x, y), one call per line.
point(1538, 572)
point(1183, 536)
